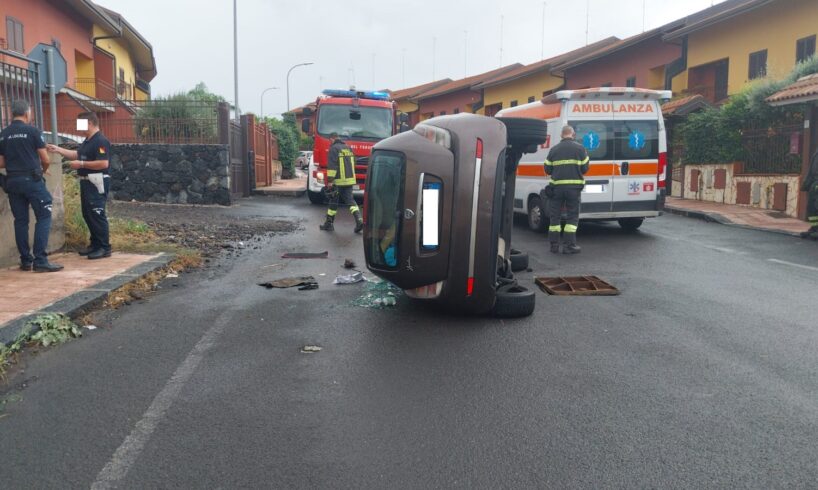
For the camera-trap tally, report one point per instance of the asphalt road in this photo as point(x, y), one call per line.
point(702, 374)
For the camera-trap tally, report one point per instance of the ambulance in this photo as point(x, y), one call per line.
point(624, 133)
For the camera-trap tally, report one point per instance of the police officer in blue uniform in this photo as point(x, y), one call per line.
point(91, 163)
point(23, 155)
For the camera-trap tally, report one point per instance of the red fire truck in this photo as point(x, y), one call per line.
point(361, 118)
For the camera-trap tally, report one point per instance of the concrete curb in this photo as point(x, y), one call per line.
point(85, 299)
point(717, 218)
point(279, 193)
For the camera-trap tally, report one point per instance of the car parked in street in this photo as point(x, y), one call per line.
point(303, 160)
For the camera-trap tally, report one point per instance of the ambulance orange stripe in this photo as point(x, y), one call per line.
point(598, 169)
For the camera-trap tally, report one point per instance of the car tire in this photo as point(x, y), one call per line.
point(519, 260)
point(631, 224)
point(316, 197)
point(537, 217)
point(514, 301)
point(524, 132)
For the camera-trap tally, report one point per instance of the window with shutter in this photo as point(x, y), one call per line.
point(804, 49)
point(758, 64)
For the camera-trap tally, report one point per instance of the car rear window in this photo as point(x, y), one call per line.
point(385, 204)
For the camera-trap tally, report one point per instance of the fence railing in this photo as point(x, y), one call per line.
point(92, 87)
point(17, 82)
point(773, 151)
point(124, 90)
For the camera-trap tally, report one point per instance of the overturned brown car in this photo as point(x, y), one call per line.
point(439, 211)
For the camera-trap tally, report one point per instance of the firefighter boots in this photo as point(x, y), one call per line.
point(328, 224)
point(359, 222)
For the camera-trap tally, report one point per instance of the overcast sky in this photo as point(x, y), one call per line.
point(193, 40)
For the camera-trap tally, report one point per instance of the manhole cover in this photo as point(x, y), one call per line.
point(576, 286)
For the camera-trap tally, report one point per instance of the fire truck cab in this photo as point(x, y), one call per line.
point(361, 119)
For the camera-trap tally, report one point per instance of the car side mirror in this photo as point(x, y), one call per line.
point(306, 126)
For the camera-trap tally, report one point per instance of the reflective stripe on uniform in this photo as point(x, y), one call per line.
point(566, 162)
point(568, 182)
point(332, 212)
point(331, 173)
point(571, 228)
point(813, 219)
point(556, 228)
point(342, 164)
point(353, 209)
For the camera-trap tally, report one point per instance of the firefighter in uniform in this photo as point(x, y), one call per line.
point(567, 163)
point(340, 180)
point(23, 155)
point(91, 163)
point(811, 185)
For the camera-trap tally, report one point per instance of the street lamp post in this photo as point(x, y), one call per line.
point(288, 81)
point(262, 99)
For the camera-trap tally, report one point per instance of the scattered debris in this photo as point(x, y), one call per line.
point(310, 349)
point(272, 265)
point(90, 327)
point(379, 295)
point(576, 286)
point(290, 282)
point(353, 278)
point(309, 287)
point(349, 264)
point(305, 255)
point(172, 275)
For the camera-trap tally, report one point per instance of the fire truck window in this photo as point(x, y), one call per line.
point(362, 122)
point(385, 195)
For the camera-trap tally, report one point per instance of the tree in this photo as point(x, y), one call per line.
point(179, 118)
point(287, 134)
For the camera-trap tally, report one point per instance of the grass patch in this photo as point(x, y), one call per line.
point(126, 235)
point(54, 329)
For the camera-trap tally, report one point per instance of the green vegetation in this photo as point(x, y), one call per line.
point(289, 140)
point(180, 117)
point(715, 135)
point(54, 329)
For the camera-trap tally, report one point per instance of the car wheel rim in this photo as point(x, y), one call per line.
point(535, 217)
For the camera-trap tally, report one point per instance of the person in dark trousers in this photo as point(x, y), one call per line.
point(91, 163)
point(810, 185)
point(23, 155)
point(567, 164)
point(340, 180)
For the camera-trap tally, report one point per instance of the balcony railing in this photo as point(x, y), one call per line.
point(97, 89)
point(124, 90)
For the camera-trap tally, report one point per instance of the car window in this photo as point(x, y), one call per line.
point(637, 140)
point(385, 189)
point(597, 137)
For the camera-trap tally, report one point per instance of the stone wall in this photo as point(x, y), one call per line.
point(8, 249)
point(762, 186)
point(171, 174)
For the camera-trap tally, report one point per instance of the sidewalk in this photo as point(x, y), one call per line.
point(81, 284)
point(743, 216)
point(296, 187)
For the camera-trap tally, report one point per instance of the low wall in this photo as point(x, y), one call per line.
point(8, 249)
point(734, 187)
point(171, 174)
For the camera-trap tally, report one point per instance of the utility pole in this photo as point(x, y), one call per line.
point(542, 41)
point(434, 57)
point(403, 67)
point(236, 56)
point(465, 54)
point(587, 19)
point(644, 8)
point(502, 20)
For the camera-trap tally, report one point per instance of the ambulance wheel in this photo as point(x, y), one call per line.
point(525, 131)
point(316, 197)
point(631, 224)
point(519, 261)
point(514, 301)
point(536, 215)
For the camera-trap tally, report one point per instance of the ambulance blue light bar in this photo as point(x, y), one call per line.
point(358, 94)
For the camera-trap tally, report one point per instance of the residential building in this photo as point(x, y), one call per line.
point(739, 41)
point(134, 63)
point(528, 83)
point(457, 96)
point(638, 61)
point(407, 105)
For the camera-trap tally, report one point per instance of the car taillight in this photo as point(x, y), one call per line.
point(662, 176)
point(435, 135)
point(478, 167)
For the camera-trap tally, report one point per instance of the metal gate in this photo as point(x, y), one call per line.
point(17, 82)
point(239, 178)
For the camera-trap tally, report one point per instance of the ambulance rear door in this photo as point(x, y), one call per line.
point(636, 157)
point(595, 130)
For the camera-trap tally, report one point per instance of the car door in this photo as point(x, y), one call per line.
point(597, 136)
point(636, 162)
